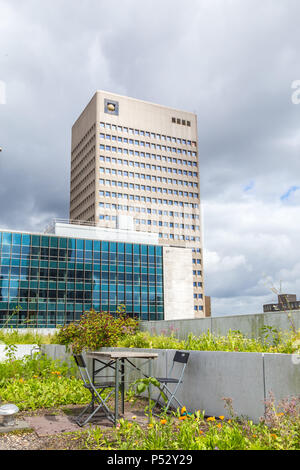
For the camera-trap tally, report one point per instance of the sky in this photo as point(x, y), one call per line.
point(235, 63)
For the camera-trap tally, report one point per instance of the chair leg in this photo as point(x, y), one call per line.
point(171, 398)
point(101, 404)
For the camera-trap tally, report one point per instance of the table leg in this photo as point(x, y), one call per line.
point(116, 391)
point(123, 384)
point(150, 375)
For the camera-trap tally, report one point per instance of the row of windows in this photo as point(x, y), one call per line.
point(159, 223)
point(137, 153)
point(175, 236)
point(91, 272)
point(55, 318)
point(30, 242)
point(142, 187)
point(135, 197)
point(141, 143)
point(149, 210)
point(144, 176)
point(121, 161)
point(183, 122)
point(137, 295)
point(151, 135)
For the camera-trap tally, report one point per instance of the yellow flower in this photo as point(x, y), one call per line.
point(183, 410)
point(221, 417)
point(150, 425)
point(211, 418)
point(280, 414)
point(21, 381)
point(219, 425)
point(133, 417)
point(163, 421)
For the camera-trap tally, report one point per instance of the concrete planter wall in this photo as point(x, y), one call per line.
point(246, 378)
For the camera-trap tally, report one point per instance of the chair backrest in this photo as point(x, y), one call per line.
point(79, 360)
point(180, 356)
point(82, 368)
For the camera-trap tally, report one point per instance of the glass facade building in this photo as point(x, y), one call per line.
point(51, 280)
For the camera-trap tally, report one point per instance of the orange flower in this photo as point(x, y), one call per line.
point(211, 418)
point(163, 421)
point(274, 436)
point(182, 417)
point(219, 425)
point(183, 410)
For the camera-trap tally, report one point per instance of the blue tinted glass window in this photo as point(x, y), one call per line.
point(80, 244)
point(6, 239)
point(16, 238)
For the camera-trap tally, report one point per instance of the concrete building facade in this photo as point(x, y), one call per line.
point(135, 165)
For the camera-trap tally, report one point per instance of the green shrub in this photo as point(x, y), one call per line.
point(97, 329)
point(40, 382)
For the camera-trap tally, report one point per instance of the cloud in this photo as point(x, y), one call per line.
point(231, 62)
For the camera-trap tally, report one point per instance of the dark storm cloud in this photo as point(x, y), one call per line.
point(229, 61)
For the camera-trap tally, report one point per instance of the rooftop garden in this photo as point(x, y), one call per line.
point(37, 383)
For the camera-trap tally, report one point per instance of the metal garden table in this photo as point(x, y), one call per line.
point(116, 360)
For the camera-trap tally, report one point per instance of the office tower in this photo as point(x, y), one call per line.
point(135, 166)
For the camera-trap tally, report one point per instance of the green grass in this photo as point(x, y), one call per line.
point(15, 336)
point(272, 341)
point(40, 382)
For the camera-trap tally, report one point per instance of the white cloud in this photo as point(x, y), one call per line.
point(231, 62)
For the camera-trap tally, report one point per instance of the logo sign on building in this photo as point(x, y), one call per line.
point(111, 107)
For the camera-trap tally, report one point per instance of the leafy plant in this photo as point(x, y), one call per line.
point(97, 329)
point(143, 384)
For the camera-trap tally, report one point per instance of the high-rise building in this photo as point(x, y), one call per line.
point(135, 165)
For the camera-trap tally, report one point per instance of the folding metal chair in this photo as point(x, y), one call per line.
point(179, 358)
point(95, 389)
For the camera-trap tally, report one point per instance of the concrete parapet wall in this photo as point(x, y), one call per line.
point(246, 378)
point(250, 325)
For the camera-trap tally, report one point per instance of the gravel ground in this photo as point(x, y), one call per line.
point(29, 440)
